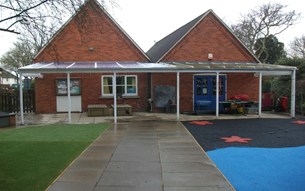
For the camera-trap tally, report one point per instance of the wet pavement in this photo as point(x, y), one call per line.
point(142, 152)
point(143, 156)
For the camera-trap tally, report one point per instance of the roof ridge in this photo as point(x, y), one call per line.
point(77, 12)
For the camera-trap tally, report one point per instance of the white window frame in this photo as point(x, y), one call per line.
point(125, 85)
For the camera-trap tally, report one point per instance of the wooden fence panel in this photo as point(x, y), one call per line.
point(10, 102)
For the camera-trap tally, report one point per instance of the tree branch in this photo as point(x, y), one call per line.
point(11, 31)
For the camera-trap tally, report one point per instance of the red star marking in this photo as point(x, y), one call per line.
point(238, 139)
point(201, 123)
point(299, 122)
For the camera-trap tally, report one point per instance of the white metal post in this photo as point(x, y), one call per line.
point(69, 98)
point(260, 94)
point(178, 96)
point(21, 99)
point(293, 93)
point(217, 94)
point(114, 98)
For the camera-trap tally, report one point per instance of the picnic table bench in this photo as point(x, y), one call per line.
point(123, 109)
point(95, 110)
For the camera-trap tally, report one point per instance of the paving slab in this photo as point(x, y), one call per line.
point(143, 156)
point(71, 186)
point(187, 167)
point(192, 179)
point(131, 179)
point(126, 188)
point(134, 167)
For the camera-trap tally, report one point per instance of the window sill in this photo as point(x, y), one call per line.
point(124, 97)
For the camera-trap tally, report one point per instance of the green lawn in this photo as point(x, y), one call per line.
point(31, 158)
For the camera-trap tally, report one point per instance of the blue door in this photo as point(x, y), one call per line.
point(205, 93)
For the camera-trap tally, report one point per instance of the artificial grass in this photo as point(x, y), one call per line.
point(31, 158)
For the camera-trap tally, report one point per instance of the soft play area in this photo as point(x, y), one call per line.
point(255, 154)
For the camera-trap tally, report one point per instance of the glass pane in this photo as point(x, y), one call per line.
point(120, 80)
point(220, 87)
point(214, 91)
point(198, 83)
point(198, 91)
point(62, 87)
point(131, 89)
point(75, 87)
point(204, 82)
point(220, 91)
point(204, 91)
point(214, 81)
point(107, 81)
point(131, 81)
point(120, 90)
point(107, 89)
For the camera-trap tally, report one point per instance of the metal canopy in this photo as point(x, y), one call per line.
point(98, 67)
point(173, 67)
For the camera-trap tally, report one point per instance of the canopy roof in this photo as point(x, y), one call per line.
point(107, 67)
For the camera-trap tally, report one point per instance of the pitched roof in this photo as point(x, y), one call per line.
point(108, 15)
point(6, 73)
point(162, 47)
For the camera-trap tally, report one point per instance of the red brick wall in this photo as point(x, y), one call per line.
point(243, 83)
point(209, 36)
point(45, 91)
point(90, 28)
point(90, 92)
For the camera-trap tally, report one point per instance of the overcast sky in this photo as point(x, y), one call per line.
point(147, 21)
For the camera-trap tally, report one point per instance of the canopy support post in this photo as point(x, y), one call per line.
point(69, 98)
point(178, 96)
point(293, 76)
point(115, 113)
point(21, 99)
point(217, 94)
point(260, 94)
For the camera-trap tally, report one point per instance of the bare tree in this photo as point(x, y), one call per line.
point(25, 12)
point(36, 21)
point(30, 12)
point(268, 19)
point(20, 55)
point(298, 47)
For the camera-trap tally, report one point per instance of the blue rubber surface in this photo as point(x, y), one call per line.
point(254, 169)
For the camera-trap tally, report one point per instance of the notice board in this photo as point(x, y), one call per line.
point(163, 94)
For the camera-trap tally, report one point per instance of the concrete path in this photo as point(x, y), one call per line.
point(143, 156)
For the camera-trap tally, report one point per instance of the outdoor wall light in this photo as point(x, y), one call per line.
point(210, 56)
point(91, 48)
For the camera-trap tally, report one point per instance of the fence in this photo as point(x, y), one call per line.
point(10, 102)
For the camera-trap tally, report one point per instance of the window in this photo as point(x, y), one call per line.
point(125, 85)
point(61, 87)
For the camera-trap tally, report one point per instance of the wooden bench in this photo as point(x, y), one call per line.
point(123, 109)
point(7, 119)
point(97, 110)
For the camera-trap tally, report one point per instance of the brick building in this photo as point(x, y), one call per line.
point(205, 48)
point(90, 35)
point(202, 37)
